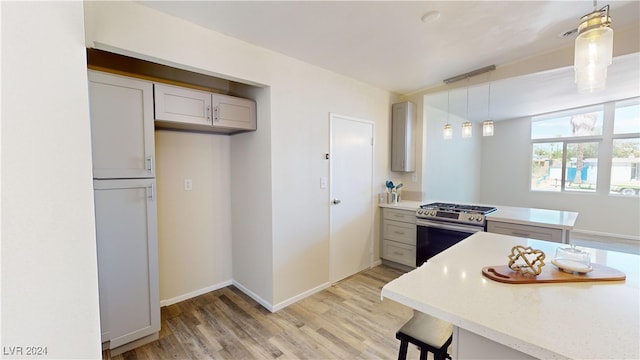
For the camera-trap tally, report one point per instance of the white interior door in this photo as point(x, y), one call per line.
point(351, 189)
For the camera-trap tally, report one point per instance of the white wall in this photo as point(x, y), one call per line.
point(194, 227)
point(291, 215)
point(49, 266)
point(450, 166)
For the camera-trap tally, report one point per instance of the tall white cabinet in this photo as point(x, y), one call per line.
point(126, 228)
point(125, 207)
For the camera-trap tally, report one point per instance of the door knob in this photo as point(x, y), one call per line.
point(336, 201)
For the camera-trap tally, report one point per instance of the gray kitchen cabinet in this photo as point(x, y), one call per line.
point(127, 246)
point(234, 112)
point(122, 139)
point(182, 105)
point(122, 134)
point(526, 231)
point(189, 109)
point(403, 144)
point(399, 236)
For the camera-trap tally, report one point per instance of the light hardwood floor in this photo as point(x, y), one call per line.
point(346, 321)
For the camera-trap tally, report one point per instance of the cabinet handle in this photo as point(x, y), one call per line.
point(209, 113)
point(399, 232)
point(215, 113)
point(150, 192)
point(398, 253)
point(150, 164)
point(515, 233)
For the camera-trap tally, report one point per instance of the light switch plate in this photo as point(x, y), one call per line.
point(323, 182)
point(188, 184)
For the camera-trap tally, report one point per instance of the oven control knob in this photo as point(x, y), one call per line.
point(479, 219)
point(471, 217)
point(419, 212)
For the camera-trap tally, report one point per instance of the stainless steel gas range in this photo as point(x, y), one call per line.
point(442, 225)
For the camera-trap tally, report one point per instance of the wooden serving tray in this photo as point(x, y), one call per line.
point(551, 274)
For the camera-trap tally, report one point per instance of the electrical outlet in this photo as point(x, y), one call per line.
point(188, 184)
point(414, 177)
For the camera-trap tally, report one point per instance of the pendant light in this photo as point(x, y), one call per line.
point(487, 125)
point(593, 50)
point(448, 131)
point(467, 129)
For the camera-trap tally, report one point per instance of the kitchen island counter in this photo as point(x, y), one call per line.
point(492, 320)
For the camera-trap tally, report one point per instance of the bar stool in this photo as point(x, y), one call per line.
point(428, 333)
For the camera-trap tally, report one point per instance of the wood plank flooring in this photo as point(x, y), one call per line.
point(346, 321)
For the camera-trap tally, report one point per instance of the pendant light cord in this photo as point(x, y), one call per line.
point(467, 99)
point(448, 98)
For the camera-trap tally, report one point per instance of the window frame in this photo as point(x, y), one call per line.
point(605, 143)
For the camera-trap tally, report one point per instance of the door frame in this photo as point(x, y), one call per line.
point(333, 116)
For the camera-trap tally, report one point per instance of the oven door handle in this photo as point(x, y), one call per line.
point(460, 228)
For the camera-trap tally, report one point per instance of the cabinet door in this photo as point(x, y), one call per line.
point(526, 231)
point(403, 148)
point(126, 232)
point(122, 136)
point(234, 112)
point(182, 105)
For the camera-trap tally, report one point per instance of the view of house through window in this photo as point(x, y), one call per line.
point(568, 146)
point(565, 150)
point(626, 149)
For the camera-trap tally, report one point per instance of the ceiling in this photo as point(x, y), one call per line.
point(386, 43)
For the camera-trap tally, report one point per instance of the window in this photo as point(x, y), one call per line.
point(626, 149)
point(568, 146)
point(565, 150)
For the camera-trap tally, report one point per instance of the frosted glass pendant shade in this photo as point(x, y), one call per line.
point(447, 132)
point(593, 52)
point(467, 129)
point(487, 128)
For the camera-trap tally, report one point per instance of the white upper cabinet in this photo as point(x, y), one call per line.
point(189, 109)
point(182, 105)
point(121, 126)
point(234, 112)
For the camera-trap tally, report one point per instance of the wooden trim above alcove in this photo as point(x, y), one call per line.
point(124, 65)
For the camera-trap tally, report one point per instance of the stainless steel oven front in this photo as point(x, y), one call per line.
point(433, 237)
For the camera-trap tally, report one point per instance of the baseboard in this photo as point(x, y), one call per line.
point(267, 305)
point(299, 297)
point(606, 241)
point(193, 294)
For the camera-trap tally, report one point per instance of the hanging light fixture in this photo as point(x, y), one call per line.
point(593, 50)
point(467, 128)
point(448, 131)
point(487, 125)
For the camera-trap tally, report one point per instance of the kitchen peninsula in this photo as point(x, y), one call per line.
point(496, 320)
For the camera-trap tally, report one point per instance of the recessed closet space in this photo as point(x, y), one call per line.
point(194, 172)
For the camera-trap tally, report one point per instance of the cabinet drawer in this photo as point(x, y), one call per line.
point(398, 252)
point(526, 231)
point(399, 231)
point(400, 215)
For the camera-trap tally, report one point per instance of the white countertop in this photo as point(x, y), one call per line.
point(529, 216)
point(567, 320)
point(404, 205)
point(558, 219)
